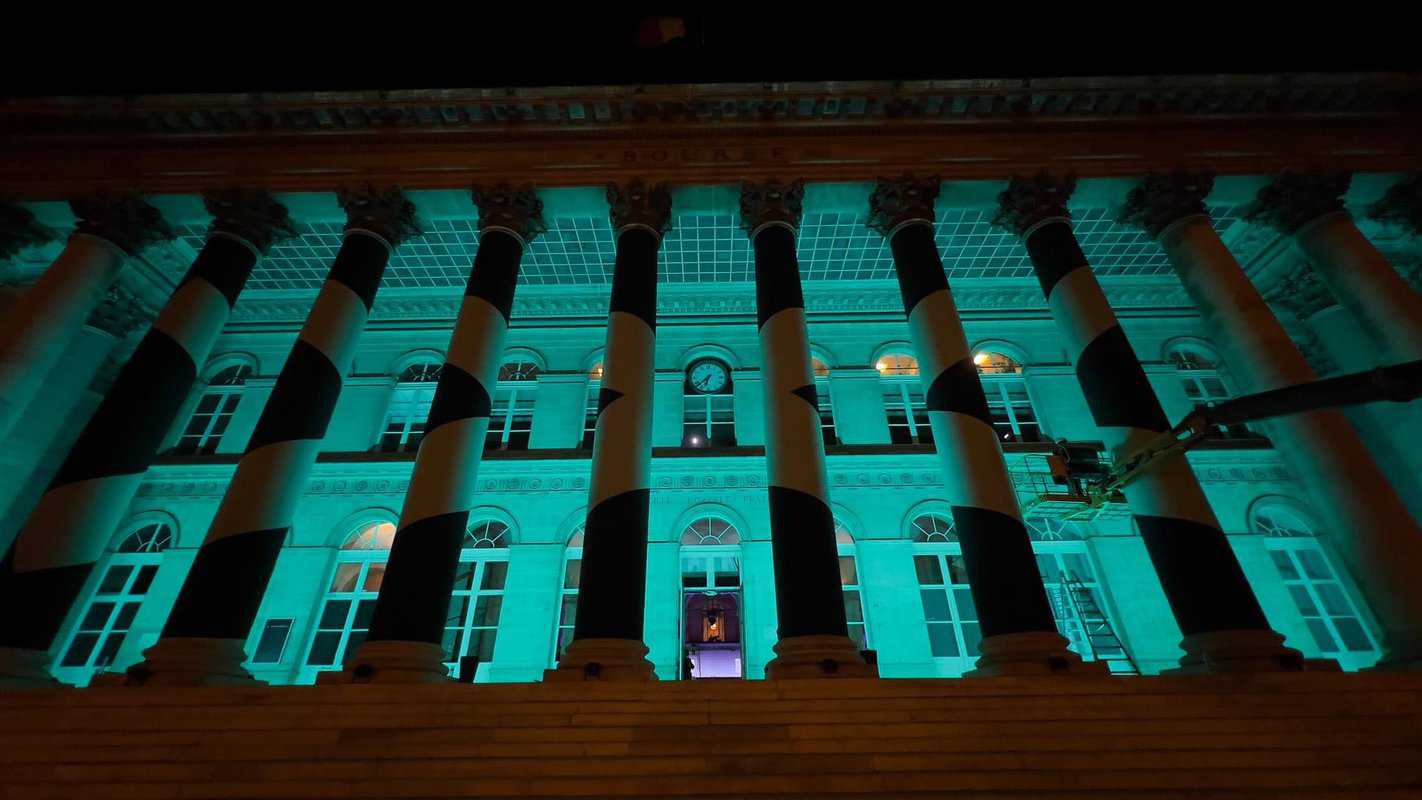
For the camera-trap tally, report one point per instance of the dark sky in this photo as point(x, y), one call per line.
point(246, 48)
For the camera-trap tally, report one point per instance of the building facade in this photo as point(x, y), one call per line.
point(710, 581)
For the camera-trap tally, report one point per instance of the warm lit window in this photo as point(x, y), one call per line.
point(214, 412)
point(410, 408)
point(948, 610)
point(711, 609)
point(568, 608)
point(1008, 403)
point(822, 398)
point(108, 616)
point(708, 406)
point(1200, 378)
point(1332, 618)
point(511, 420)
point(590, 413)
point(904, 404)
point(350, 597)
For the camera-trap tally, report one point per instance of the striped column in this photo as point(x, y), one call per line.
point(1019, 633)
point(613, 587)
point(405, 643)
point(1366, 522)
point(1223, 626)
point(813, 638)
point(1308, 206)
point(203, 639)
point(38, 329)
point(66, 534)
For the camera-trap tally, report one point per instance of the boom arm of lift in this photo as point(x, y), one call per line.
point(1399, 383)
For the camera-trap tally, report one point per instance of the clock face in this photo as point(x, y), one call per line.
point(708, 377)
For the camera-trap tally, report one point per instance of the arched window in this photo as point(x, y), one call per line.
point(1199, 373)
point(410, 407)
point(511, 419)
point(214, 411)
point(948, 610)
point(1324, 605)
point(903, 399)
point(1075, 592)
point(568, 609)
point(849, 584)
point(472, 626)
point(350, 597)
point(712, 612)
point(1008, 403)
point(823, 402)
point(710, 531)
point(109, 614)
point(590, 414)
point(709, 418)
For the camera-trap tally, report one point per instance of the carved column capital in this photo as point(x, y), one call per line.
point(1402, 205)
point(386, 212)
point(1028, 202)
point(19, 229)
point(772, 202)
point(127, 221)
point(905, 199)
point(119, 313)
point(1159, 200)
point(1297, 198)
point(635, 205)
point(516, 210)
point(251, 215)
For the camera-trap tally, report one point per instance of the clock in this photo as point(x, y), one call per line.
point(707, 376)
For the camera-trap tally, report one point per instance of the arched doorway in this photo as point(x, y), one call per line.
point(712, 611)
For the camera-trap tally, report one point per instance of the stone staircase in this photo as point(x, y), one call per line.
point(1303, 735)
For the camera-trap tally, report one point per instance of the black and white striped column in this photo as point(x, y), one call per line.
point(36, 331)
point(813, 637)
point(613, 586)
point(404, 644)
point(1019, 633)
point(1224, 628)
point(65, 535)
point(203, 639)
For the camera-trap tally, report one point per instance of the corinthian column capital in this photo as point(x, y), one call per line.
point(251, 215)
point(1295, 199)
point(905, 199)
point(633, 204)
point(19, 229)
point(1159, 200)
point(518, 211)
point(1028, 202)
point(772, 203)
point(1402, 205)
point(386, 212)
point(126, 221)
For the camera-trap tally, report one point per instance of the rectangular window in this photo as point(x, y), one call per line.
point(512, 418)
point(209, 421)
point(568, 609)
point(907, 412)
point(948, 610)
point(472, 626)
point(709, 420)
point(590, 415)
point(109, 615)
point(853, 601)
point(826, 409)
point(272, 642)
point(1078, 605)
point(1332, 620)
point(346, 612)
point(1204, 388)
point(1011, 409)
point(405, 422)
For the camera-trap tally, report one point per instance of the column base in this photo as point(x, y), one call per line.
point(1032, 653)
point(392, 662)
point(818, 657)
point(1237, 651)
point(21, 668)
point(1401, 657)
point(602, 660)
point(184, 661)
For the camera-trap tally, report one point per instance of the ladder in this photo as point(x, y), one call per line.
point(1101, 638)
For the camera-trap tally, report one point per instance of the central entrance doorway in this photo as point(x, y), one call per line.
point(711, 604)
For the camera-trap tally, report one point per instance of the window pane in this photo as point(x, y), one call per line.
point(572, 573)
point(109, 650)
point(847, 574)
point(494, 574)
point(1313, 564)
point(958, 570)
point(929, 572)
point(353, 643)
point(1321, 636)
point(963, 598)
point(972, 636)
point(724, 578)
point(373, 577)
point(323, 650)
point(1303, 601)
point(144, 579)
point(464, 576)
point(853, 611)
point(273, 641)
point(334, 614)
point(935, 605)
point(1354, 638)
point(568, 614)
point(364, 611)
point(115, 579)
point(1285, 565)
point(124, 620)
point(485, 645)
point(1333, 600)
point(942, 641)
point(345, 579)
point(79, 651)
point(457, 606)
point(96, 616)
point(486, 613)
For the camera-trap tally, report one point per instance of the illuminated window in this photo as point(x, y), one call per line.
point(904, 405)
point(350, 597)
point(1332, 618)
point(849, 583)
point(410, 408)
point(1008, 403)
point(214, 412)
point(820, 370)
point(511, 420)
point(948, 610)
point(708, 418)
point(590, 414)
point(1200, 378)
point(472, 625)
point(108, 616)
point(568, 608)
